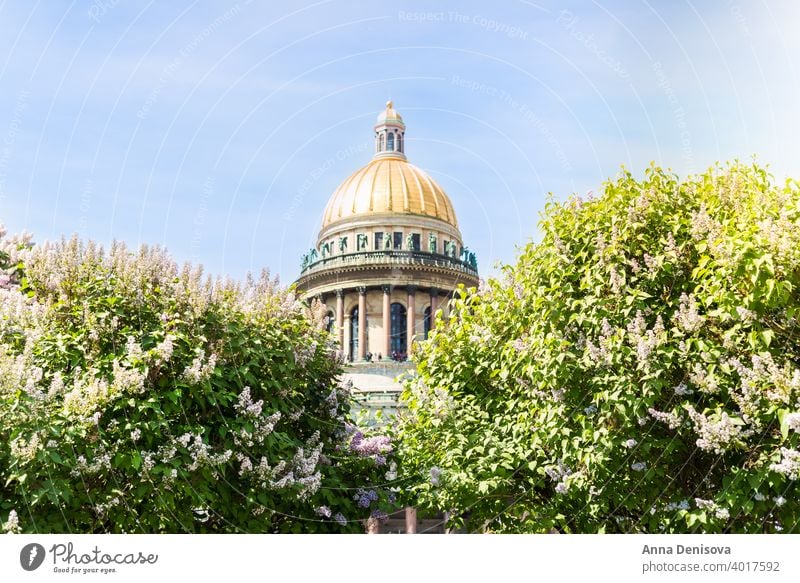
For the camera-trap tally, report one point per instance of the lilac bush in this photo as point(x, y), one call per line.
point(138, 396)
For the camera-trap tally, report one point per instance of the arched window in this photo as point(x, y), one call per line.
point(399, 142)
point(380, 143)
point(398, 337)
point(426, 322)
point(390, 142)
point(329, 321)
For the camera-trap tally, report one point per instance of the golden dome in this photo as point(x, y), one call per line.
point(389, 115)
point(389, 185)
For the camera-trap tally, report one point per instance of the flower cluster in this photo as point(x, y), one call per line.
point(687, 317)
point(644, 341)
point(24, 451)
point(718, 433)
point(705, 381)
point(305, 353)
point(11, 526)
point(262, 427)
point(600, 352)
point(365, 498)
point(559, 473)
point(792, 421)
point(789, 465)
point(200, 370)
point(672, 419)
point(163, 351)
point(780, 384)
point(376, 447)
point(435, 476)
point(245, 405)
point(719, 511)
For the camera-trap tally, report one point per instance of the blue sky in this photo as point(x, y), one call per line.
point(220, 130)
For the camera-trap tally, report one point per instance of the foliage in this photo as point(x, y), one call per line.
point(635, 371)
point(139, 397)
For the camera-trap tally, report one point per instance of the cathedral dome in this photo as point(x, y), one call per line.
point(389, 115)
point(389, 184)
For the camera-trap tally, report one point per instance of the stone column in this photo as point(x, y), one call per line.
point(411, 310)
point(387, 322)
point(362, 322)
point(340, 317)
point(411, 520)
point(347, 331)
point(434, 304)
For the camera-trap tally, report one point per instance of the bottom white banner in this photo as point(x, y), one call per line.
point(119, 558)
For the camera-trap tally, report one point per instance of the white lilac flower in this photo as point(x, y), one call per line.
point(682, 390)
point(136, 434)
point(11, 526)
point(789, 465)
point(630, 443)
point(673, 420)
point(165, 349)
point(436, 474)
point(759, 497)
point(639, 466)
point(687, 316)
point(562, 488)
point(779, 501)
point(323, 511)
point(715, 434)
point(792, 421)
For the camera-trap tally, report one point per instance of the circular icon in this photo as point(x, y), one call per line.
point(31, 556)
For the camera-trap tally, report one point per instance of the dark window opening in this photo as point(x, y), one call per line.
point(398, 331)
point(426, 323)
point(329, 321)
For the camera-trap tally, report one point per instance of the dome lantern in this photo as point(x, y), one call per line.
point(390, 134)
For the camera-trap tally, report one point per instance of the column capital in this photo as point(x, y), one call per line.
point(412, 289)
point(339, 293)
point(362, 290)
point(435, 291)
point(386, 288)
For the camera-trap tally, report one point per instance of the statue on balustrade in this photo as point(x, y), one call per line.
point(361, 242)
point(342, 244)
point(432, 243)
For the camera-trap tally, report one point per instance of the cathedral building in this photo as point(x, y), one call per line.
point(389, 253)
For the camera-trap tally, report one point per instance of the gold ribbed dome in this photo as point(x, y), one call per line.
point(389, 115)
point(389, 185)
